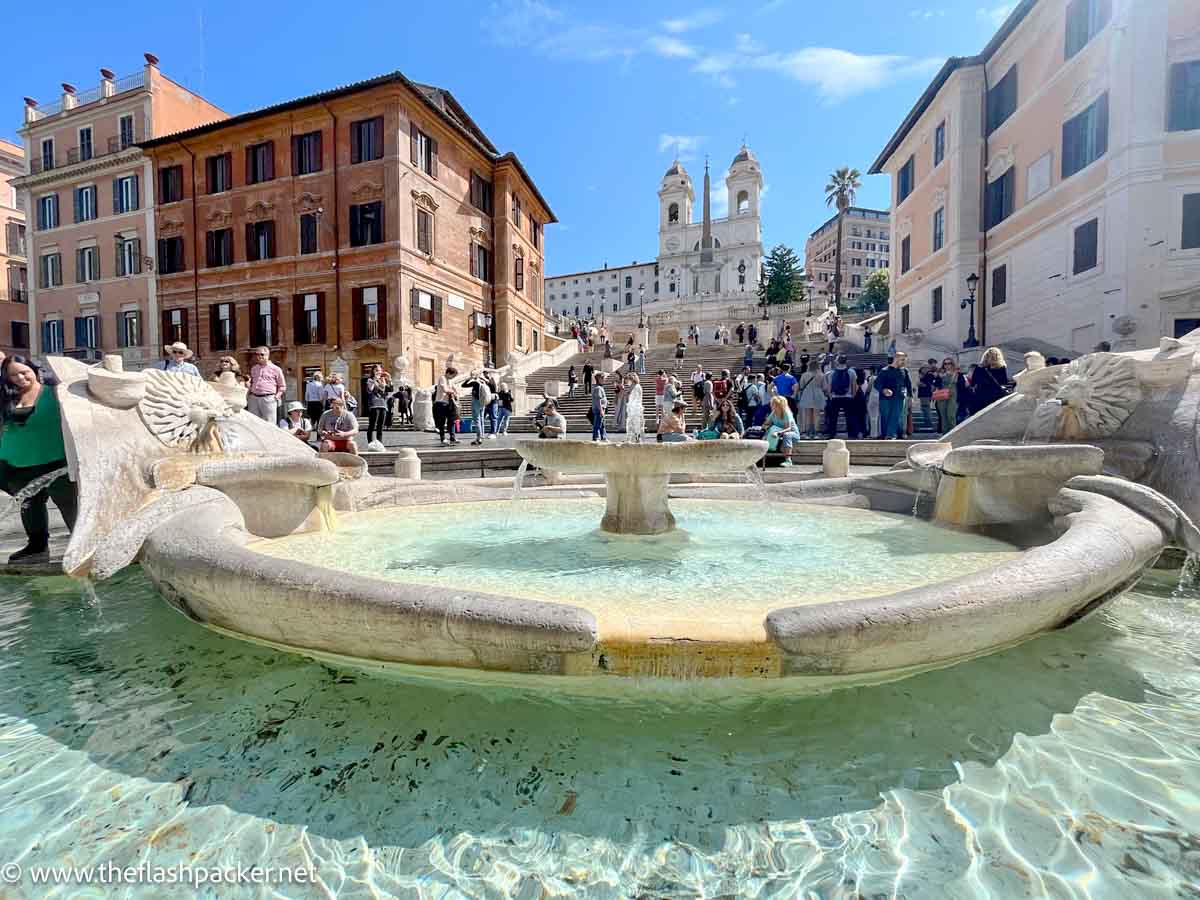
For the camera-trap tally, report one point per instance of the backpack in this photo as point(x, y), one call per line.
point(485, 393)
point(841, 381)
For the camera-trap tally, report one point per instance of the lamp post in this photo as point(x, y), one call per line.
point(808, 285)
point(641, 306)
point(969, 303)
point(762, 286)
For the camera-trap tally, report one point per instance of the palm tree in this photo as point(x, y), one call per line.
point(843, 185)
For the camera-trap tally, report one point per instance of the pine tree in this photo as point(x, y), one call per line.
point(875, 291)
point(784, 281)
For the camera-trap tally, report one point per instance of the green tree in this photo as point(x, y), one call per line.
point(840, 192)
point(875, 292)
point(784, 281)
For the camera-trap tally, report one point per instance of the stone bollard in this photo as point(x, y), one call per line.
point(835, 461)
point(408, 464)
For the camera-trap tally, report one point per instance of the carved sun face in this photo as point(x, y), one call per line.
point(178, 408)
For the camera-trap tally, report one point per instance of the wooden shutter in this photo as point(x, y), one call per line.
point(275, 338)
point(355, 143)
point(45, 337)
point(119, 269)
point(78, 266)
point(165, 330)
point(80, 333)
point(120, 332)
point(270, 240)
point(381, 297)
point(269, 162)
point(249, 165)
point(214, 326)
point(78, 195)
point(355, 225)
point(377, 137)
point(251, 247)
point(414, 305)
point(318, 162)
point(210, 248)
point(184, 326)
point(356, 303)
point(433, 158)
point(412, 142)
point(320, 335)
point(437, 312)
point(473, 254)
point(298, 320)
point(137, 202)
point(137, 257)
point(296, 142)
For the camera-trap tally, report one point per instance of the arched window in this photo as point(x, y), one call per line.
point(673, 213)
point(743, 202)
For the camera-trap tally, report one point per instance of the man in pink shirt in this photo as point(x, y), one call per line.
point(266, 387)
point(660, 385)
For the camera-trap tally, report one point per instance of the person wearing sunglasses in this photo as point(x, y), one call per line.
point(177, 356)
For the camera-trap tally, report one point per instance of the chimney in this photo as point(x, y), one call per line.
point(31, 111)
point(69, 100)
point(150, 68)
point(107, 89)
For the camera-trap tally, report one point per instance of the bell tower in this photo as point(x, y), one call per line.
point(675, 199)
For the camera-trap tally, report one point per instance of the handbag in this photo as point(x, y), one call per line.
point(941, 394)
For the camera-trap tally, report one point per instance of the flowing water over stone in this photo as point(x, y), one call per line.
point(1066, 767)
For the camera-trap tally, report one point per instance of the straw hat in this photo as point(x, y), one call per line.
point(179, 345)
point(295, 406)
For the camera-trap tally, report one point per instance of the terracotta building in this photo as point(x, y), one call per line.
point(347, 228)
point(14, 301)
point(866, 236)
point(1061, 167)
point(90, 200)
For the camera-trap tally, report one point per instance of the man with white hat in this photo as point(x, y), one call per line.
point(178, 355)
point(296, 423)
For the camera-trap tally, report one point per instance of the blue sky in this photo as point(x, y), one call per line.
point(594, 97)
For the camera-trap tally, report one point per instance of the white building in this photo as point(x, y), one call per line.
point(682, 271)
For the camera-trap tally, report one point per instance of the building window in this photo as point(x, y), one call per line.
point(1190, 239)
point(174, 325)
point(370, 313)
point(481, 194)
point(366, 224)
point(126, 130)
point(1000, 285)
point(260, 162)
point(129, 255)
point(479, 327)
point(47, 212)
point(999, 203)
point(218, 248)
point(1184, 102)
point(170, 255)
point(481, 262)
point(266, 333)
point(535, 232)
point(1087, 245)
point(939, 229)
point(222, 321)
point(905, 255)
point(628, 299)
point(260, 241)
point(15, 235)
point(366, 140)
point(85, 203)
point(129, 328)
point(1085, 137)
point(905, 318)
point(18, 287)
point(306, 153)
point(218, 171)
point(516, 210)
point(520, 333)
point(939, 146)
point(125, 194)
point(170, 184)
point(309, 315)
point(50, 270)
point(935, 306)
point(20, 335)
point(87, 264)
point(1002, 100)
point(519, 273)
point(673, 213)
point(856, 281)
point(423, 150)
point(904, 182)
point(85, 144)
point(47, 154)
point(425, 231)
point(1085, 18)
point(308, 233)
point(53, 340)
point(628, 281)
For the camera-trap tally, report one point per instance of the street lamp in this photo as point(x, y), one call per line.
point(641, 306)
point(969, 302)
point(808, 283)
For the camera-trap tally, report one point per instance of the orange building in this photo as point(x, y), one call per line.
point(347, 228)
point(14, 301)
point(90, 200)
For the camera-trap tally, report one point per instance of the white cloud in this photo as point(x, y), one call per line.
point(839, 74)
point(995, 15)
point(743, 43)
point(670, 47)
point(771, 5)
point(702, 19)
point(733, 101)
point(926, 13)
point(684, 146)
point(519, 22)
point(589, 43)
point(718, 199)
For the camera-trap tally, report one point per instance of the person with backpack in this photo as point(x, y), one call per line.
point(481, 397)
point(841, 384)
point(588, 372)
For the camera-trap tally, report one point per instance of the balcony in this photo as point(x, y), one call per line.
point(115, 144)
point(91, 95)
point(18, 295)
point(16, 247)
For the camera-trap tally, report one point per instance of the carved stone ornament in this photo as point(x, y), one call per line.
point(308, 201)
point(1001, 161)
point(368, 190)
point(905, 225)
point(219, 217)
point(182, 411)
point(425, 200)
point(518, 250)
point(260, 210)
point(169, 226)
point(1097, 393)
point(939, 197)
point(1083, 95)
point(480, 235)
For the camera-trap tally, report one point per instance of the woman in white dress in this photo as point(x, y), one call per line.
point(635, 416)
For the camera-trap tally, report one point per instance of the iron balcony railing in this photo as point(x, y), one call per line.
point(91, 95)
point(115, 144)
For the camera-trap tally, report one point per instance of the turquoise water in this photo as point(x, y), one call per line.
point(1067, 767)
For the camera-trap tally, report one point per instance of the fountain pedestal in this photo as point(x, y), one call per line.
point(639, 475)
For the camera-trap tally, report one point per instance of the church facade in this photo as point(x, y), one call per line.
point(697, 261)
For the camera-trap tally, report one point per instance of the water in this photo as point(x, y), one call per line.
point(790, 554)
point(1067, 767)
point(514, 506)
point(754, 478)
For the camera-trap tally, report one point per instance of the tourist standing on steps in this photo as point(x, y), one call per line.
point(619, 410)
point(630, 361)
point(504, 410)
point(599, 408)
point(672, 393)
point(481, 396)
point(945, 396)
point(811, 400)
point(697, 387)
point(445, 405)
point(868, 336)
point(267, 386)
point(641, 360)
point(31, 447)
point(314, 396)
point(752, 335)
point(177, 358)
point(708, 402)
point(926, 383)
point(404, 407)
point(377, 402)
point(572, 380)
point(892, 384)
point(635, 415)
point(872, 406)
point(740, 331)
point(660, 386)
point(840, 385)
point(337, 429)
point(588, 372)
point(786, 386)
point(856, 417)
point(991, 379)
point(680, 348)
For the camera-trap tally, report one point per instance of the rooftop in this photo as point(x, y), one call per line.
point(857, 212)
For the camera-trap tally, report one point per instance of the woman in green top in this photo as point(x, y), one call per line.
point(31, 445)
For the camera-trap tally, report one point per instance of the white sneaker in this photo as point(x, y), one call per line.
point(491, 437)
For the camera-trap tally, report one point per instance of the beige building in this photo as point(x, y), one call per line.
point(89, 192)
point(866, 238)
point(1080, 208)
point(14, 309)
